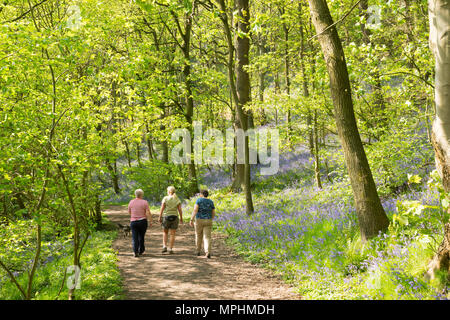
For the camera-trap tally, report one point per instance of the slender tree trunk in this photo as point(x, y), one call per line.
point(5, 207)
point(277, 91)
point(305, 84)
point(378, 88)
point(76, 228)
point(363, 11)
point(165, 151)
point(149, 143)
point(114, 177)
point(409, 18)
point(189, 112)
point(98, 209)
point(239, 169)
point(371, 215)
point(127, 149)
point(150, 149)
point(138, 154)
point(164, 143)
point(35, 261)
point(316, 153)
point(261, 86)
point(237, 87)
point(287, 77)
point(439, 14)
point(243, 89)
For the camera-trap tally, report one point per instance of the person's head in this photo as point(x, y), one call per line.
point(170, 190)
point(204, 193)
point(139, 193)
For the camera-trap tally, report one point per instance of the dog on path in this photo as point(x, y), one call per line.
point(125, 229)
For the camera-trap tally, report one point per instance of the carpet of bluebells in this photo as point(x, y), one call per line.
point(310, 236)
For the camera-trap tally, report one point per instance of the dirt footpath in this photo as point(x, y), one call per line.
point(183, 275)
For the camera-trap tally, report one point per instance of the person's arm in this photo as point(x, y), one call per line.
point(213, 213)
point(163, 206)
point(194, 212)
point(180, 212)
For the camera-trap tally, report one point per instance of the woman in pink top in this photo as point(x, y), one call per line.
point(139, 216)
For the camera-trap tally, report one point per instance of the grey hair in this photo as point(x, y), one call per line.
point(139, 193)
point(171, 190)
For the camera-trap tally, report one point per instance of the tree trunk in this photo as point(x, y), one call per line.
point(127, 149)
point(164, 143)
point(440, 45)
point(240, 89)
point(238, 169)
point(165, 151)
point(371, 216)
point(243, 89)
point(378, 88)
point(76, 228)
point(98, 209)
point(287, 78)
point(138, 154)
point(261, 86)
point(149, 143)
point(441, 260)
point(237, 184)
point(277, 91)
point(189, 112)
point(316, 153)
point(114, 177)
point(439, 14)
point(305, 84)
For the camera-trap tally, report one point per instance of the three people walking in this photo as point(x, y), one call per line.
point(170, 217)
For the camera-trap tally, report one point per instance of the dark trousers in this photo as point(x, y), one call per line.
point(138, 229)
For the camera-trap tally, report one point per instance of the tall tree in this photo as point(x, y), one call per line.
point(440, 46)
point(371, 215)
point(184, 25)
point(243, 88)
point(439, 15)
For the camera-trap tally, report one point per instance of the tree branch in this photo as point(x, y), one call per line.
point(339, 21)
point(411, 74)
point(13, 279)
point(26, 12)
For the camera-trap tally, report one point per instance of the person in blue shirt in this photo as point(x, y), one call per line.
point(203, 213)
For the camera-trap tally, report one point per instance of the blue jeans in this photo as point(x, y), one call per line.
point(138, 229)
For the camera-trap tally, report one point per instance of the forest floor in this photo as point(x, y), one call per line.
point(184, 275)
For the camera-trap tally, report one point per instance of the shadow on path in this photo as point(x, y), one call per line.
point(183, 275)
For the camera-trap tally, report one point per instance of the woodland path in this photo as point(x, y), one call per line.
point(183, 275)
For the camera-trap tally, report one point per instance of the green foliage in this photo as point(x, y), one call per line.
point(100, 276)
point(412, 213)
point(155, 176)
point(87, 110)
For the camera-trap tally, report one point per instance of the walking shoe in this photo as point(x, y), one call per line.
point(164, 250)
point(170, 251)
point(198, 254)
point(136, 255)
point(208, 255)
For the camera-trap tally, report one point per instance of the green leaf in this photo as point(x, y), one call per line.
point(414, 178)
